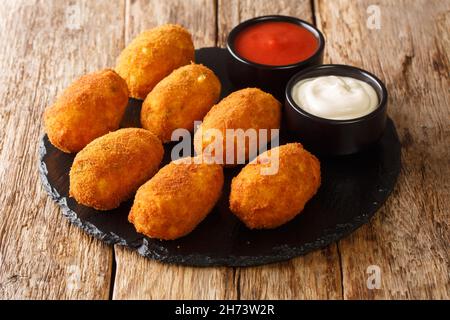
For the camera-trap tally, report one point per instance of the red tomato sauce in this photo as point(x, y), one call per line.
point(275, 43)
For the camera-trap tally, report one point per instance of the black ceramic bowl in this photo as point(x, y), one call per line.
point(244, 73)
point(336, 137)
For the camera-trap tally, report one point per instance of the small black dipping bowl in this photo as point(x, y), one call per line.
point(244, 73)
point(336, 137)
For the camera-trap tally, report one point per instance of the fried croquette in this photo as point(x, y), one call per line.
point(111, 168)
point(184, 96)
point(245, 109)
point(90, 107)
point(153, 55)
point(176, 199)
point(268, 201)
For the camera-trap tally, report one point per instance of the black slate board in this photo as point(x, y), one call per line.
point(353, 189)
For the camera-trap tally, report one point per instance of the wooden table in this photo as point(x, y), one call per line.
point(47, 44)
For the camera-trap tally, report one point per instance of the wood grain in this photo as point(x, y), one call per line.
point(198, 16)
point(409, 238)
point(316, 276)
point(141, 278)
point(45, 45)
point(137, 277)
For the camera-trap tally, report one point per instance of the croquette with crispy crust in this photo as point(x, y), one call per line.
point(90, 107)
point(245, 109)
point(268, 201)
point(176, 199)
point(111, 168)
point(186, 95)
point(153, 55)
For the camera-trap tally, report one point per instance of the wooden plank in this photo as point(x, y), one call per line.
point(198, 16)
point(137, 277)
point(45, 45)
point(140, 278)
point(409, 237)
point(314, 276)
point(317, 275)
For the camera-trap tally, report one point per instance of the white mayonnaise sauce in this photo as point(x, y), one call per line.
point(335, 97)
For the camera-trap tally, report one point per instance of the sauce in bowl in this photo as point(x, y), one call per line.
point(276, 43)
point(335, 97)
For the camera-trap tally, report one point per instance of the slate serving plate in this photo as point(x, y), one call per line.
point(353, 189)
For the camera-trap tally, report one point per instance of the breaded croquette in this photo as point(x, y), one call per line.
point(186, 95)
point(268, 201)
point(245, 109)
point(152, 56)
point(111, 168)
point(90, 107)
point(176, 199)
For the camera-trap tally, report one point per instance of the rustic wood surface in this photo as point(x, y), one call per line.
point(49, 43)
point(409, 238)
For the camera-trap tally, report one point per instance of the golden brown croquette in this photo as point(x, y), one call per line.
point(111, 168)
